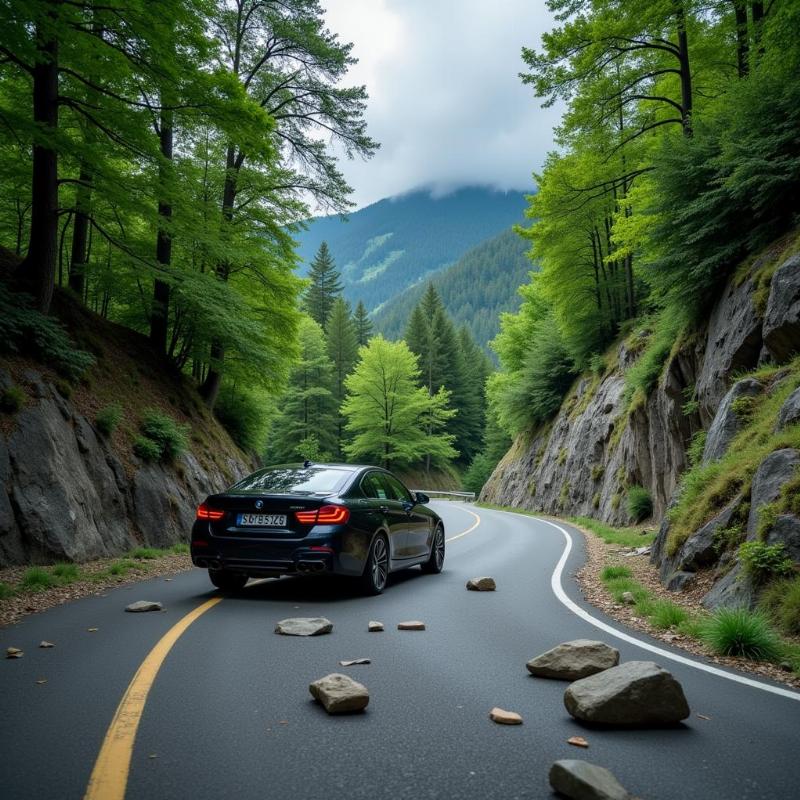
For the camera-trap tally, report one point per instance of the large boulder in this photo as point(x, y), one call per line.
point(573, 660)
point(580, 780)
point(340, 694)
point(786, 531)
point(777, 469)
point(782, 318)
point(790, 411)
point(732, 590)
point(633, 693)
point(726, 423)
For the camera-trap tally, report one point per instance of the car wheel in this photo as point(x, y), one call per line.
point(434, 564)
point(376, 571)
point(227, 581)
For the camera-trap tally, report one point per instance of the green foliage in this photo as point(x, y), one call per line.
point(26, 331)
point(168, 438)
point(615, 571)
point(626, 537)
point(108, 418)
point(324, 286)
point(6, 591)
point(780, 600)
point(763, 561)
point(391, 418)
point(66, 572)
point(640, 503)
point(665, 614)
point(362, 324)
point(147, 449)
point(121, 567)
point(598, 470)
point(740, 632)
point(596, 501)
point(245, 412)
point(644, 374)
point(12, 399)
point(697, 445)
point(146, 553)
point(37, 578)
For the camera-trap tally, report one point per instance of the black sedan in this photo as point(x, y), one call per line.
point(315, 519)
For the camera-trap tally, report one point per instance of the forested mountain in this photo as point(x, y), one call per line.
point(475, 290)
point(384, 248)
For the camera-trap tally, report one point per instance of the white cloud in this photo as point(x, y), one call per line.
point(446, 102)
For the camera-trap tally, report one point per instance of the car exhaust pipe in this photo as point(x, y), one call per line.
point(302, 567)
point(318, 566)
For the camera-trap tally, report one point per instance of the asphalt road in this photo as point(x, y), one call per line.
point(229, 714)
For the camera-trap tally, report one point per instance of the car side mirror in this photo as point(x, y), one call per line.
point(421, 498)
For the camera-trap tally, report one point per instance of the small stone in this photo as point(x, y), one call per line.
point(93, 630)
point(144, 605)
point(340, 694)
point(304, 626)
point(167, 580)
point(41, 681)
point(577, 741)
point(14, 652)
point(484, 584)
point(375, 627)
point(355, 661)
point(503, 717)
point(786, 666)
point(580, 780)
point(46, 644)
point(153, 755)
point(628, 599)
point(411, 625)
point(702, 716)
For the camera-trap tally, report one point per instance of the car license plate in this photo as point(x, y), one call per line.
point(262, 520)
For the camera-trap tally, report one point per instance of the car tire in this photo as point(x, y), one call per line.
point(435, 564)
point(376, 570)
point(227, 581)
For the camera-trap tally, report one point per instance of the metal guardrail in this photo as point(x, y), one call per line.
point(467, 497)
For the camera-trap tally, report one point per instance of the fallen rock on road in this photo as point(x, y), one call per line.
point(574, 660)
point(144, 605)
point(580, 780)
point(340, 694)
point(503, 717)
point(304, 626)
point(484, 584)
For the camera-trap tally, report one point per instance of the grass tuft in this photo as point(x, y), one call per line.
point(615, 571)
point(780, 601)
point(6, 591)
point(627, 537)
point(665, 614)
point(740, 632)
point(146, 553)
point(37, 578)
point(65, 572)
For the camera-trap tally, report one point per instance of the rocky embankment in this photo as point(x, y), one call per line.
point(66, 493)
point(602, 442)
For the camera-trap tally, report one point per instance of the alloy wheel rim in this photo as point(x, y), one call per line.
point(379, 564)
point(439, 549)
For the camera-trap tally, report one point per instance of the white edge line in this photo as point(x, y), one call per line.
point(558, 590)
point(468, 530)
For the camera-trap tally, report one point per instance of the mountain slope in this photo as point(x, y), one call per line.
point(475, 290)
point(384, 248)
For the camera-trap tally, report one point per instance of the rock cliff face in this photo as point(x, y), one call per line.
point(598, 445)
point(65, 494)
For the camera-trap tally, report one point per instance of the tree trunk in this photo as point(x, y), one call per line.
point(80, 232)
point(159, 313)
point(742, 42)
point(686, 75)
point(38, 269)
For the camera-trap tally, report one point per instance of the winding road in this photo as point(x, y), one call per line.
point(228, 713)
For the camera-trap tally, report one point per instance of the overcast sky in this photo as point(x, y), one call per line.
point(446, 102)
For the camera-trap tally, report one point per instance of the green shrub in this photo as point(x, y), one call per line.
point(598, 470)
point(691, 405)
point(65, 572)
point(597, 364)
point(644, 374)
point(146, 449)
point(246, 415)
point(694, 452)
point(781, 602)
point(37, 578)
point(729, 537)
point(692, 626)
point(596, 501)
point(763, 561)
point(627, 537)
point(5, 591)
point(740, 632)
point(121, 567)
point(666, 614)
point(170, 437)
point(640, 504)
point(179, 549)
point(108, 418)
point(12, 399)
point(615, 571)
point(616, 499)
point(25, 330)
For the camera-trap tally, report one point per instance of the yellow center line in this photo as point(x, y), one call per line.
point(468, 530)
point(109, 777)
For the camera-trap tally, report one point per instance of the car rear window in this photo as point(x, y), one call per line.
point(295, 480)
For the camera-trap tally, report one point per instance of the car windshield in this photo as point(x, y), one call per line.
point(295, 480)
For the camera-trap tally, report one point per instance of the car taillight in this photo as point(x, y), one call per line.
point(204, 512)
point(327, 515)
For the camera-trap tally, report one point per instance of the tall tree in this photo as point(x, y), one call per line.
point(340, 335)
point(363, 324)
point(392, 418)
point(324, 286)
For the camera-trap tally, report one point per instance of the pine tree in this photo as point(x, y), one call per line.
point(306, 424)
point(392, 418)
point(340, 335)
point(324, 288)
point(363, 324)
